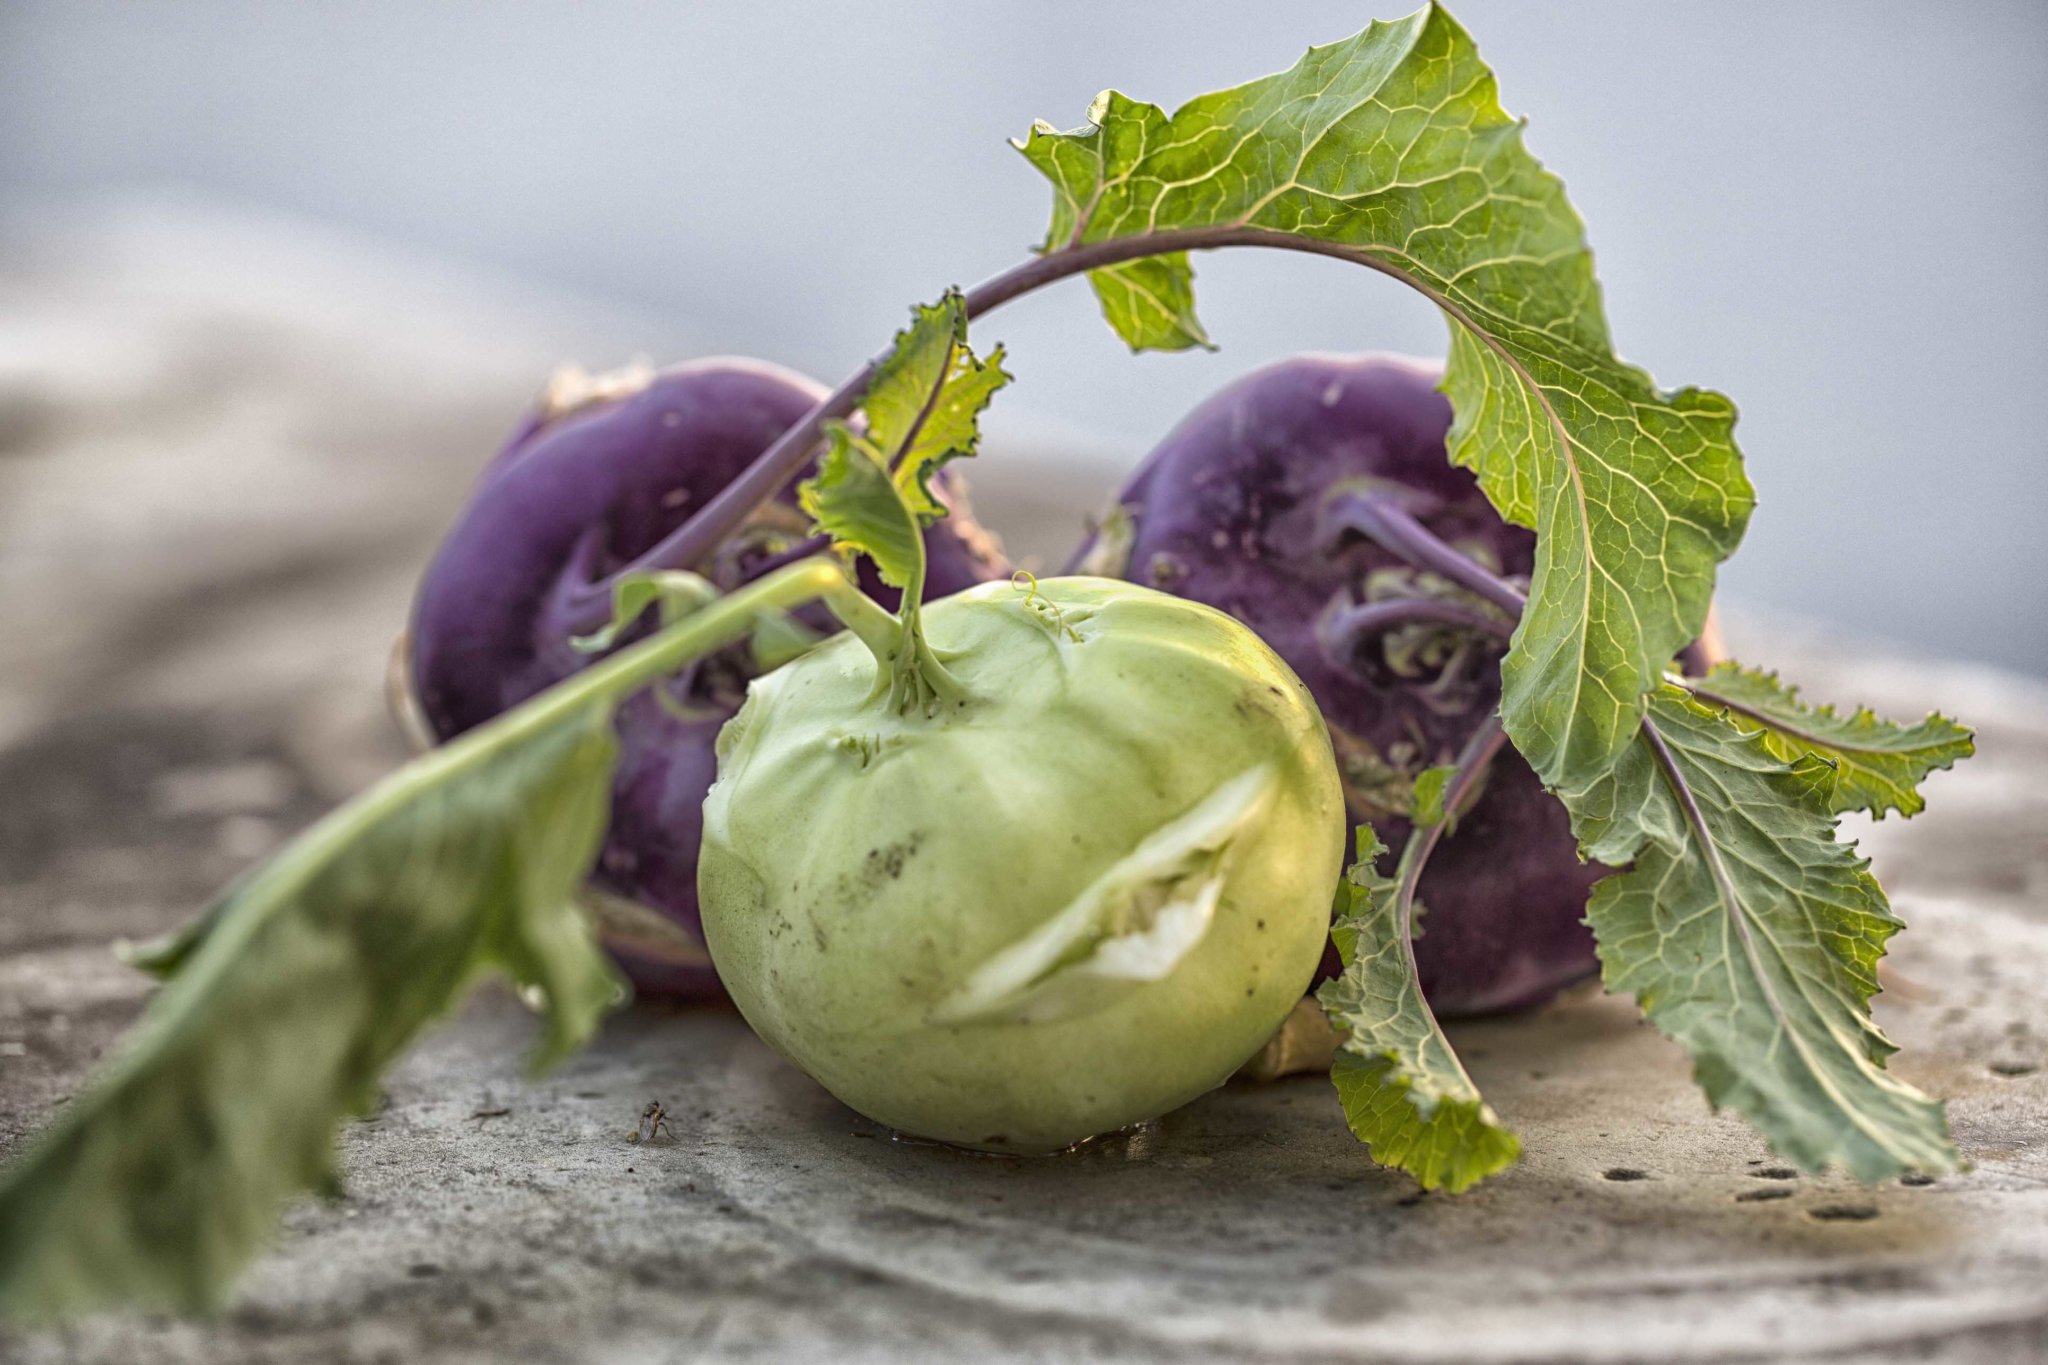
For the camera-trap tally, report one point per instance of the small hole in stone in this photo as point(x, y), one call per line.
point(1760, 1196)
point(1625, 1173)
point(1776, 1173)
point(423, 1270)
point(2013, 1068)
point(1843, 1213)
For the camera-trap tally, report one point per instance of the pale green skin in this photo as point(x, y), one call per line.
point(849, 899)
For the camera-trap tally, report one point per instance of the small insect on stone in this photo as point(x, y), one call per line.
point(653, 1119)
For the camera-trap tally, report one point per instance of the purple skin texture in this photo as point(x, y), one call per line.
point(570, 501)
point(1231, 509)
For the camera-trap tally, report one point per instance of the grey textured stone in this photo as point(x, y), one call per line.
point(199, 679)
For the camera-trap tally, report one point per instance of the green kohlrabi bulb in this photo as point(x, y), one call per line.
point(1073, 900)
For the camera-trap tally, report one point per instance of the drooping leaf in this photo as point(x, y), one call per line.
point(1878, 766)
point(1751, 935)
point(289, 998)
point(1405, 1093)
point(1391, 149)
point(166, 955)
point(159, 1182)
point(1151, 303)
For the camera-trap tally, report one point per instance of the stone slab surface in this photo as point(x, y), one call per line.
point(224, 450)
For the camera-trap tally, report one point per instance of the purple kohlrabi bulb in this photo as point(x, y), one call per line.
point(1234, 508)
point(596, 477)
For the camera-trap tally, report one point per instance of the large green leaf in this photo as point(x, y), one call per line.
point(156, 1185)
point(1405, 1093)
point(1878, 766)
point(295, 991)
point(1391, 149)
point(1751, 935)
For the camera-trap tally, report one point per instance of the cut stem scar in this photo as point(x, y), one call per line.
point(1380, 519)
point(1341, 632)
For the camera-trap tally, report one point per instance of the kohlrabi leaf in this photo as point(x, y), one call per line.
point(923, 407)
point(1751, 935)
point(1151, 303)
point(1391, 149)
point(1429, 794)
point(160, 1181)
point(853, 500)
point(924, 403)
point(289, 998)
point(166, 955)
point(1878, 766)
point(1404, 1092)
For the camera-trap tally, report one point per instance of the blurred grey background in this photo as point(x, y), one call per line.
point(1835, 212)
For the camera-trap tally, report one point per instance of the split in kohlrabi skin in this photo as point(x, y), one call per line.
point(600, 474)
point(1076, 895)
point(1244, 506)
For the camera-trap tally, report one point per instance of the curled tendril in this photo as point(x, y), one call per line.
point(1048, 610)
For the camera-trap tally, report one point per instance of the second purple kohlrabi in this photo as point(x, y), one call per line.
point(1243, 506)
